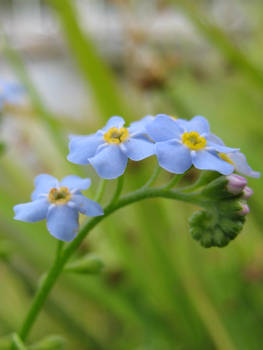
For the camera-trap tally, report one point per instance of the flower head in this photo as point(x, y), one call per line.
point(181, 144)
point(60, 203)
point(9, 92)
point(109, 148)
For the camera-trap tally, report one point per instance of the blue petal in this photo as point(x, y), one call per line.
point(173, 156)
point(32, 211)
point(163, 128)
point(219, 148)
point(110, 162)
point(199, 124)
point(74, 182)
point(214, 139)
point(206, 160)
point(115, 121)
point(241, 165)
point(83, 147)
point(139, 126)
point(138, 148)
point(87, 206)
point(43, 183)
point(62, 222)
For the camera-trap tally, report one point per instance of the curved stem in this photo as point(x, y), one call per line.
point(154, 176)
point(63, 256)
point(100, 192)
point(118, 190)
point(174, 181)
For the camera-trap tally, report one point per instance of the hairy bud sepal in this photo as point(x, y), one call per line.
point(217, 225)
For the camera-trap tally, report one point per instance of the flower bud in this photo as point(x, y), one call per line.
point(244, 209)
point(247, 192)
point(236, 183)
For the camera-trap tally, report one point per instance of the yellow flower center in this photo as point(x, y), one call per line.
point(225, 158)
point(193, 140)
point(116, 135)
point(59, 196)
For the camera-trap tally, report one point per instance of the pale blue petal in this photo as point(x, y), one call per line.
point(241, 165)
point(214, 139)
point(87, 206)
point(32, 211)
point(110, 162)
point(74, 182)
point(206, 160)
point(139, 126)
point(83, 147)
point(163, 128)
point(138, 148)
point(115, 121)
point(220, 148)
point(173, 157)
point(199, 124)
point(43, 184)
point(62, 222)
point(182, 123)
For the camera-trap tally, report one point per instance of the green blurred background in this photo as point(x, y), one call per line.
point(81, 62)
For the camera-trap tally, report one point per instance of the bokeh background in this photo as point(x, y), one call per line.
point(81, 62)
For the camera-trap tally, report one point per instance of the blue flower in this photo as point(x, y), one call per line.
point(9, 93)
point(60, 203)
point(108, 149)
point(181, 144)
point(237, 159)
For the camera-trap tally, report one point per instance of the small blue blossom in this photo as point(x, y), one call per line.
point(9, 93)
point(60, 203)
point(181, 144)
point(109, 148)
point(237, 159)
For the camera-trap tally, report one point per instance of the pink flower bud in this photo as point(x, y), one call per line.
point(247, 192)
point(244, 209)
point(236, 183)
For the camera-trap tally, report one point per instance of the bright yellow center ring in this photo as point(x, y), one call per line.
point(193, 140)
point(116, 135)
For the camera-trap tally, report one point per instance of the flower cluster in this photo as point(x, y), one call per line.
point(178, 145)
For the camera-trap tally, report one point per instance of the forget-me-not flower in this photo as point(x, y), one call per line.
point(60, 203)
point(9, 92)
point(109, 148)
point(181, 144)
point(237, 159)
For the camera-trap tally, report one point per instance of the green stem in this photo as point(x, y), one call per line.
point(63, 255)
point(154, 176)
point(118, 190)
point(175, 180)
point(204, 179)
point(100, 192)
point(42, 293)
point(17, 343)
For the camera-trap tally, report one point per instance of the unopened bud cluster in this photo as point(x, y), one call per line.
point(226, 208)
